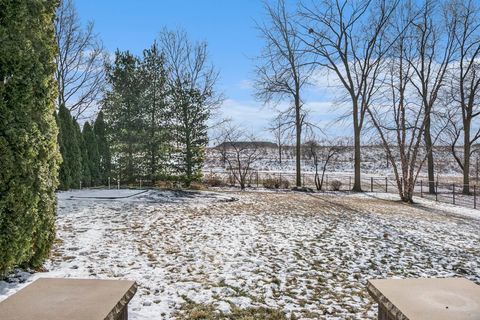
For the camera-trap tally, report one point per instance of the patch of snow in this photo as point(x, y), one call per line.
point(306, 254)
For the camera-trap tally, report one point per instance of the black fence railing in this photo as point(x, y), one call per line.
point(444, 191)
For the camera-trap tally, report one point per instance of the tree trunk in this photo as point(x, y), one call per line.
point(466, 158)
point(129, 168)
point(152, 151)
point(430, 164)
point(280, 153)
point(407, 195)
point(317, 179)
point(357, 184)
point(298, 146)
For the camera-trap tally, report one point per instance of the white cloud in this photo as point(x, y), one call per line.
point(255, 117)
point(246, 85)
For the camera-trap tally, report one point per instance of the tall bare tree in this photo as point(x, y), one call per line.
point(401, 117)
point(80, 61)
point(465, 82)
point(188, 64)
point(400, 121)
point(348, 39)
point(283, 70)
point(434, 49)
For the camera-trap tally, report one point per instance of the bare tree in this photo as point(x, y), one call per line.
point(80, 61)
point(465, 83)
point(283, 71)
point(240, 152)
point(321, 154)
point(348, 39)
point(188, 65)
point(279, 128)
point(401, 118)
point(434, 48)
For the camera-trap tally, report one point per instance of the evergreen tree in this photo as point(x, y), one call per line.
point(190, 118)
point(84, 172)
point(155, 112)
point(103, 148)
point(91, 148)
point(192, 80)
point(29, 154)
point(123, 113)
point(64, 170)
point(71, 169)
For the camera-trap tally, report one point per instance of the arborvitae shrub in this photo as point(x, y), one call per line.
point(29, 154)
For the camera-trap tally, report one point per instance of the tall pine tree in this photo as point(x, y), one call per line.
point(71, 169)
point(84, 178)
point(155, 111)
point(123, 113)
point(28, 133)
point(190, 115)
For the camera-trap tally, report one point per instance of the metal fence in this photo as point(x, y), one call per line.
point(444, 190)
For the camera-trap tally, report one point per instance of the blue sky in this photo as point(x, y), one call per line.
point(229, 28)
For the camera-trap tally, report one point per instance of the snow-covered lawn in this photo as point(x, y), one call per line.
point(307, 255)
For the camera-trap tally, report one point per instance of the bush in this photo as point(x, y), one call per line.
point(213, 181)
point(196, 186)
point(336, 185)
point(271, 183)
point(284, 184)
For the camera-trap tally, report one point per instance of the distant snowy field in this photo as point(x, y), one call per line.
point(309, 255)
point(374, 162)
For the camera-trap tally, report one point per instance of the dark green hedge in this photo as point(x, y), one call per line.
point(29, 156)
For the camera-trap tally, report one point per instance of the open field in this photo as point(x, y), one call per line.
point(195, 254)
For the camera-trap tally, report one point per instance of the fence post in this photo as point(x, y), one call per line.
point(454, 193)
point(108, 182)
point(371, 184)
point(436, 191)
point(474, 196)
point(421, 188)
point(350, 183)
point(303, 178)
point(476, 169)
point(118, 184)
point(80, 184)
point(386, 184)
point(257, 178)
